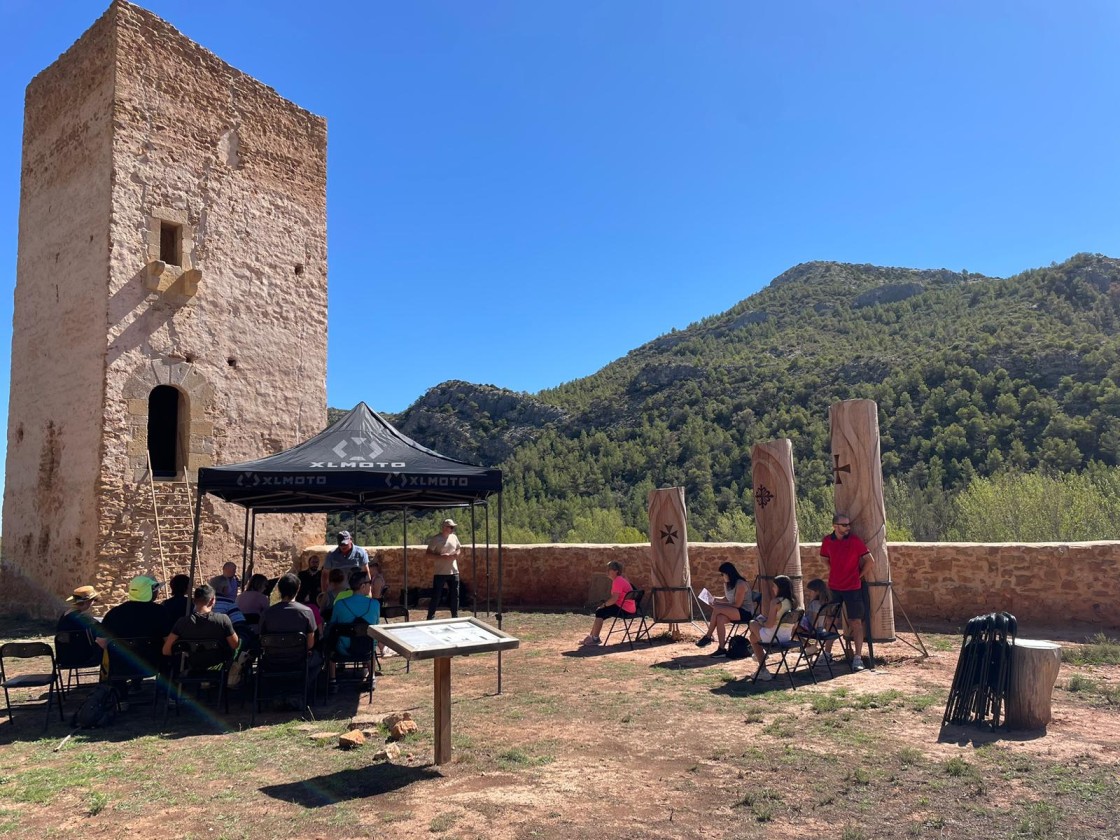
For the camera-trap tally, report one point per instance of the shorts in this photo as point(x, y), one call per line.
point(613, 611)
point(766, 634)
point(852, 599)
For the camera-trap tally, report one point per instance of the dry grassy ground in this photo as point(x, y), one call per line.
point(661, 742)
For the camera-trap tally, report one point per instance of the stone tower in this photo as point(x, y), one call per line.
point(170, 310)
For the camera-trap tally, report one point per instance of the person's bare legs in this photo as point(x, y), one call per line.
point(720, 619)
point(596, 627)
point(856, 626)
point(756, 642)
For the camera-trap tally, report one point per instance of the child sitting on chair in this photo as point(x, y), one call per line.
point(763, 628)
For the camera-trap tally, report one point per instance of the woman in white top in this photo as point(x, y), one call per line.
point(733, 606)
point(762, 628)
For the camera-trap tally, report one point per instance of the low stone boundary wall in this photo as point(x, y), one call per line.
point(1045, 583)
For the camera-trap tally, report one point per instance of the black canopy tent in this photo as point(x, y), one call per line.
point(360, 463)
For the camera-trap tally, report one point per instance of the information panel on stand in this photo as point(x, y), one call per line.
point(442, 637)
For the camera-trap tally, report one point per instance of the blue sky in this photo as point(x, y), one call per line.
point(556, 183)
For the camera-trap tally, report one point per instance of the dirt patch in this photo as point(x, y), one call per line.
point(660, 742)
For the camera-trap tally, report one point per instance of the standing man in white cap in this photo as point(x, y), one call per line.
point(444, 548)
point(348, 557)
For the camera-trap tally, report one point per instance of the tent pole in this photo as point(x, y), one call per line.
point(474, 562)
point(252, 549)
point(244, 548)
point(404, 515)
point(488, 557)
point(499, 613)
point(194, 542)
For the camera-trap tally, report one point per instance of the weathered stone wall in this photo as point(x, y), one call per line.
point(200, 143)
point(1046, 583)
point(135, 129)
point(58, 337)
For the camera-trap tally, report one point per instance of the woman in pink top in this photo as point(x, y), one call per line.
point(614, 606)
point(253, 601)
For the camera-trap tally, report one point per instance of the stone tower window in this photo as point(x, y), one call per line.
point(172, 264)
point(167, 418)
point(171, 243)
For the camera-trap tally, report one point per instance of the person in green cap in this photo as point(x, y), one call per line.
point(140, 617)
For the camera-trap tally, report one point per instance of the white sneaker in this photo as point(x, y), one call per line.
point(857, 664)
point(590, 641)
point(764, 675)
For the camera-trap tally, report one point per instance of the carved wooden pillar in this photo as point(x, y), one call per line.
point(775, 515)
point(858, 492)
point(670, 574)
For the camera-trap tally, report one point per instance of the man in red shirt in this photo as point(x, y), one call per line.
point(846, 556)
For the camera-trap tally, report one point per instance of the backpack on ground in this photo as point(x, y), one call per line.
point(738, 647)
point(99, 709)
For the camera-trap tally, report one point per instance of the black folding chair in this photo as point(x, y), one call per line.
point(37, 679)
point(782, 648)
point(76, 651)
point(201, 663)
point(635, 597)
point(361, 651)
point(396, 612)
point(283, 662)
point(753, 604)
point(825, 631)
point(135, 660)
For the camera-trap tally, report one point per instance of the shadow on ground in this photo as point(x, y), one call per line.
point(977, 737)
point(358, 783)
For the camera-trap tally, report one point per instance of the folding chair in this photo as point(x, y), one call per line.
point(734, 628)
point(396, 611)
point(634, 596)
point(53, 679)
point(200, 663)
point(826, 630)
point(789, 619)
point(132, 659)
point(74, 652)
point(362, 651)
point(283, 661)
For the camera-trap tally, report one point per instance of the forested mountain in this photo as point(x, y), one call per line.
point(973, 375)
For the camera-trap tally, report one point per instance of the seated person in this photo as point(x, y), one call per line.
point(253, 601)
point(378, 585)
point(137, 618)
point(819, 596)
point(233, 582)
point(359, 607)
point(310, 580)
point(288, 616)
point(83, 651)
point(201, 625)
point(735, 605)
point(336, 585)
point(179, 602)
point(224, 604)
point(616, 605)
point(761, 629)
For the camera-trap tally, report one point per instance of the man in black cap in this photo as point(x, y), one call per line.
point(347, 556)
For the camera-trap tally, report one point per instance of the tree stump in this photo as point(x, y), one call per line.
point(1034, 671)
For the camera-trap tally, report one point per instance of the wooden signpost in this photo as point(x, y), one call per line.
point(440, 640)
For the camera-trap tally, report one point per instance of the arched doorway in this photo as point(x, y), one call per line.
point(164, 413)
